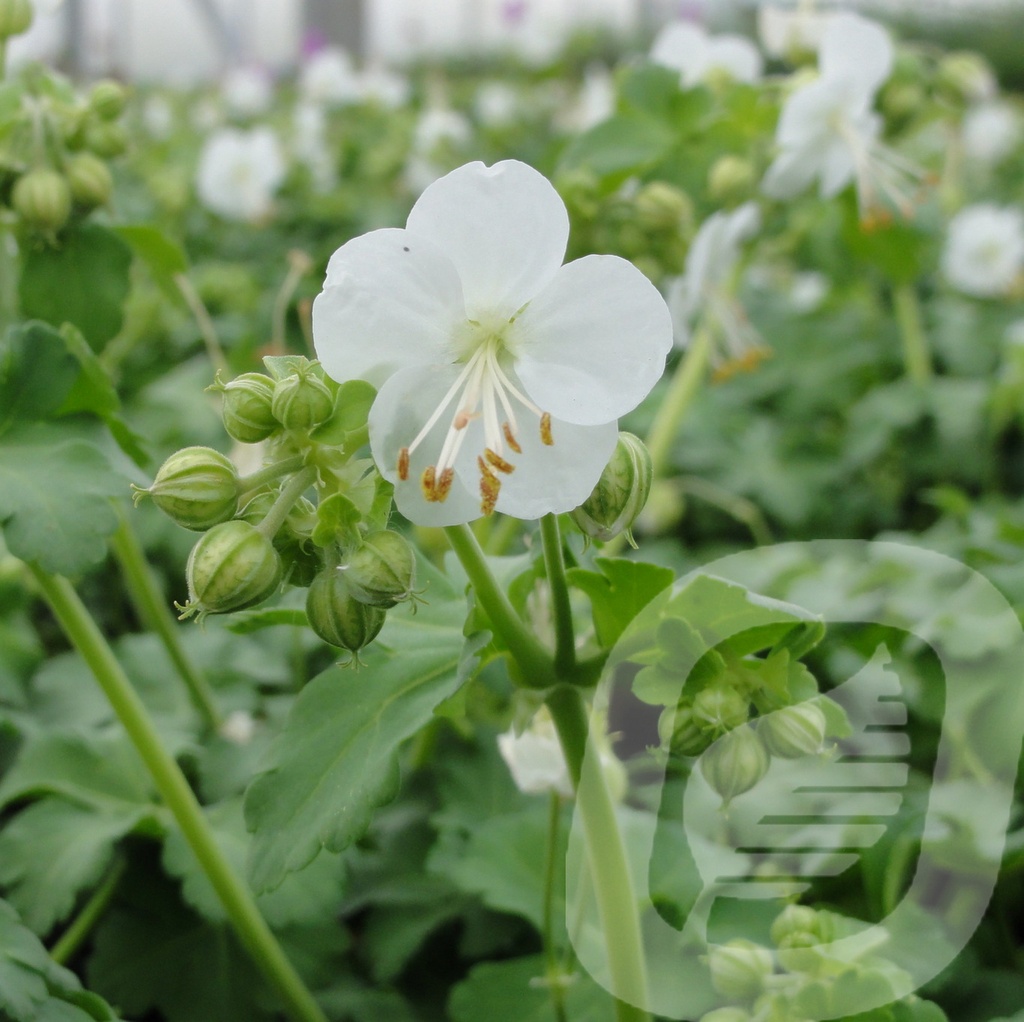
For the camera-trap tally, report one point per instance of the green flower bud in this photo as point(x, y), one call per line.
point(967, 76)
point(793, 919)
point(735, 763)
point(42, 198)
point(731, 178)
point(793, 731)
point(196, 487)
point(902, 100)
point(302, 401)
point(682, 733)
point(382, 572)
point(248, 407)
point(660, 206)
point(719, 709)
point(739, 969)
point(105, 138)
point(299, 558)
point(337, 616)
point(107, 98)
point(620, 493)
point(726, 1015)
point(15, 17)
point(89, 180)
point(798, 951)
point(232, 567)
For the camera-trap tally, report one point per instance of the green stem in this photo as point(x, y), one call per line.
point(681, 392)
point(234, 895)
point(534, 661)
point(286, 501)
point(91, 913)
point(606, 856)
point(916, 355)
point(204, 321)
point(740, 508)
point(502, 535)
point(149, 602)
point(554, 976)
point(554, 563)
point(254, 481)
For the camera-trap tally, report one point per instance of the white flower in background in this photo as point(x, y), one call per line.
point(329, 77)
point(438, 132)
point(239, 727)
point(501, 372)
point(379, 84)
point(807, 290)
point(535, 758)
point(984, 250)
point(158, 117)
point(697, 56)
point(829, 133)
point(593, 103)
point(496, 104)
point(991, 132)
point(239, 172)
point(706, 290)
point(247, 91)
point(784, 31)
point(310, 146)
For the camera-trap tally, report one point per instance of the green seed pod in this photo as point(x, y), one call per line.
point(735, 763)
point(232, 567)
point(105, 138)
point(966, 76)
point(793, 731)
point(620, 493)
point(107, 98)
point(681, 733)
point(730, 1014)
point(719, 709)
point(299, 559)
point(302, 401)
point(793, 919)
point(739, 968)
point(196, 487)
point(382, 572)
point(42, 198)
point(248, 407)
point(89, 179)
point(337, 616)
point(15, 17)
point(660, 206)
point(731, 178)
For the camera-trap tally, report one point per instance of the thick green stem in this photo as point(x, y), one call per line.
point(681, 392)
point(149, 602)
point(554, 977)
point(554, 563)
point(91, 913)
point(246, 484)
point(286, 501)
point(535, 663)
point(606, 856)
point(916, 354)
point(234, 895)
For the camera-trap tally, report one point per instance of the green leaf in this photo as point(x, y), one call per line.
point(337, 521)
point(347, 425)
point(37, 372)
point(336, 760)
point(84, 281)
point(510, 991)
point(618, 592)
point(54, 850)
point(55, 499)
point(164, 258)
point(619, 147)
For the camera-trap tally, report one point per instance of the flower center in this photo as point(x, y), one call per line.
point(482, 390)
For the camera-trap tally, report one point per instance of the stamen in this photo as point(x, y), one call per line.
point(510, 438)
point(498, 461)
point(545, 430)
point(444, 484)
point(428, 483)
point(490, 487)
point(462, 419)
point(403, 464)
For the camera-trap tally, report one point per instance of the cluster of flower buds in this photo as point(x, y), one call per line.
point(735, 751)
point(620, 494)
point(263, 530)
point(56, 143)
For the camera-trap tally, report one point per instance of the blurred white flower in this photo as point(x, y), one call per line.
point(329, 77)
point(807, 290)
point(991, 132)
point(706, 291)
point(501, 372)
point(238, 727)
point(310, 145)
point(829, 133)
point(535, 757)
point(380, 84)
point(593, 103)
point(496, 104)
point(239, 172)
point(697, 56)
point(438, 132)
point(984, 250)
point(158, 117)
point(784, 31)
point(248, 91)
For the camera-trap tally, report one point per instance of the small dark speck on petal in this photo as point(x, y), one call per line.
point(405, 248)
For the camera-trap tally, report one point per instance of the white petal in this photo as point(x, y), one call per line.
point(401, 409)
point(592, 344)
point(390, 300)
point(504, 227)
point(681, 304)
point(790, 174)
point(679, 46)
point(837, 169)
point(858, 49)
point(738, 56)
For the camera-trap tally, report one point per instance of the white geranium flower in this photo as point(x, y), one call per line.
point(784, 32)
point(329, 77)
point(991, 132)
point(535, 758)
point(593, 103)
point(984, 250)
point(239, 172)
point(688, 49)
point(496, 104)
point(380, 84)
point(707, 290)
point(248, 91)
point(828, 132)
point(501, 372)
point(310, 146)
